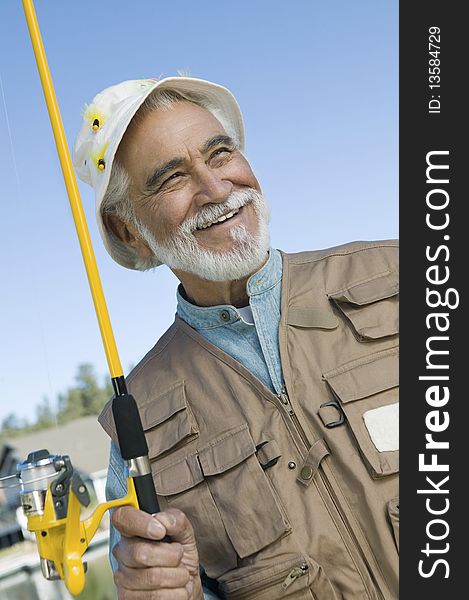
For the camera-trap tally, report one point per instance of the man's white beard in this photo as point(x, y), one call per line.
point(183, 252)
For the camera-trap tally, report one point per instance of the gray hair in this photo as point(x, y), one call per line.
point(117, 201)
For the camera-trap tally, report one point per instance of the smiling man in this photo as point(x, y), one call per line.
point(270, 405)
point(197, 203)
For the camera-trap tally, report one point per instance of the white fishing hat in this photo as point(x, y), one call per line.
point(106, 119)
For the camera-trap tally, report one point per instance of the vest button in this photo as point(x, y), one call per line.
point(306, 472)
point(225, 315)
point(292, 465)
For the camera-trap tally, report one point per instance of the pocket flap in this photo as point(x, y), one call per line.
point(221, 454)
point(167, 420)
point(371, 306)
point(379, 287)
point(179, 476)
point(366, 377)
point(164, 406)
point(227, 451)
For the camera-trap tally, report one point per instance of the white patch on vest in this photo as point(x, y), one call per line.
point(383, 426)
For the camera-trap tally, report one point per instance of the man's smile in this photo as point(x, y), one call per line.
point(224, 217)
point(227, 219)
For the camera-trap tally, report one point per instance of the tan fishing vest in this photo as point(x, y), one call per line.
point(291, 496)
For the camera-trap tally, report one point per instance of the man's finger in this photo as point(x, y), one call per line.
point(152, 578)
point(131, 522)
point(137, 553)
point(164, 594)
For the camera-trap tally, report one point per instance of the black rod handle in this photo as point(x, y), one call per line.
point(133, 445)
point(146, 494)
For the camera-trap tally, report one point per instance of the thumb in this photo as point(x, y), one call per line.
point(177, 525)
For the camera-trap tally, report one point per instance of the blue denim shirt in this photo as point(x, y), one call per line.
point(255, 346)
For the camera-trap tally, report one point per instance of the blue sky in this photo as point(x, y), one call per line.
point(318, 86)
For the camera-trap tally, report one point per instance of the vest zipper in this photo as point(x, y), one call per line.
point(350, 531)
point(275, 583)
point(285, 400)
point(294, 574)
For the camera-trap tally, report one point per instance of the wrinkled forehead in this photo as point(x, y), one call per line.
point(167, 133)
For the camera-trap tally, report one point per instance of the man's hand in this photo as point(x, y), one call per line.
point(152, 570)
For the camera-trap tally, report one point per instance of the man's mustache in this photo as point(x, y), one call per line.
point(212, 212)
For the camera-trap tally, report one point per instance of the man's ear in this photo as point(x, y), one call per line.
point(127, 234)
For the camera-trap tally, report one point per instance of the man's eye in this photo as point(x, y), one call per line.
point(221, 151)
point(171, 178)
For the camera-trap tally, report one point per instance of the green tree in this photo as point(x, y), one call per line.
point(87, 397)
point(45, 416)
point(12, 424)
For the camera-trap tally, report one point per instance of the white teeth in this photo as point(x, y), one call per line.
point(228, 216)
point(221, 219)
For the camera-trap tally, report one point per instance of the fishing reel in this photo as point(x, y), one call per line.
point(52, 494)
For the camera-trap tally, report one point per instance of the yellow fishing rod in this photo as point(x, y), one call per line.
point(51, 491)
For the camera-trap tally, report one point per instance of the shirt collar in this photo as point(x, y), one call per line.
point(208, 317)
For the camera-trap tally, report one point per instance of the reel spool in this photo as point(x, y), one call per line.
point(34, 475)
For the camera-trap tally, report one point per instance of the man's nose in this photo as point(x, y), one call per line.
point(212, 187)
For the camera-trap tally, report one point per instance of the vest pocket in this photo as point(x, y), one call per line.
point(299, 578)
point(168, 420)
point(371, 307)
point(228, 498)
point(367, 392)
